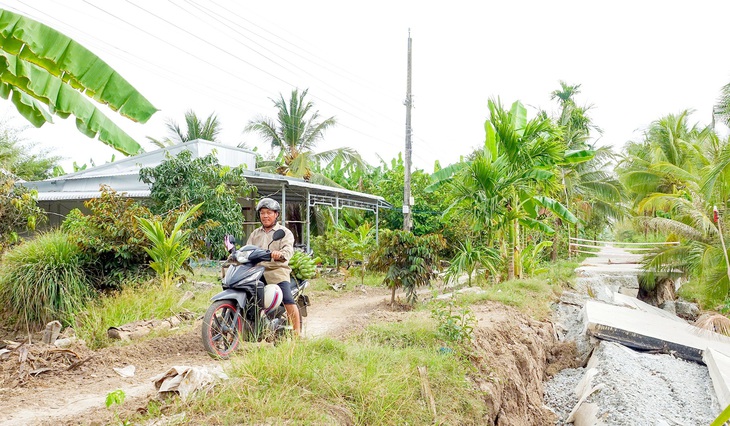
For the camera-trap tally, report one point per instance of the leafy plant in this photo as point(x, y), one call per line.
point(331, 246)
point(530, 258)
point(109, 235)
point(469, 258)
point(113, 398)
point(455, 324)
point(182, 181)
point(408, 261)
point(168, 252)
point(18, 211)
point(44, 279)
point(360, 245)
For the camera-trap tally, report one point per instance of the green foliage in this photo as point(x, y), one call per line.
point(295, 134)
point(44, 72)
point(455, 324)
point(115, 397)
point(408, 261)
point(470, 258)
point(360, 246)
point(22, 158)
point(138, 300)
point(387, 181)
point(531, 257)
point(168, 252)
point(109, 235)
point(44, 279)
point(18, 211)
point(331, 247)
point(181, 181)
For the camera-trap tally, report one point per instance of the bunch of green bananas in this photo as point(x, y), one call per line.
point(302, 266)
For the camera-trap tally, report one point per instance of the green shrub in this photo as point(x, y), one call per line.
point(408, 261)
point(109, 235)
point(44, 279)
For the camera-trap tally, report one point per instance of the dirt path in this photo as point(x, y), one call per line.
point(61, 396)
point(58, 396)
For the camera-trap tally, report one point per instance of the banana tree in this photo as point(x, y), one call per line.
point(503, 185)
point(45, 73)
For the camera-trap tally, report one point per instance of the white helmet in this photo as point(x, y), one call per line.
point(268, 203)
point(272, 297)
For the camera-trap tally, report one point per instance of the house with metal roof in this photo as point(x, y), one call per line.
point(59, 195)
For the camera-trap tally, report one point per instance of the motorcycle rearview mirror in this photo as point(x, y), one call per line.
point(278, 235)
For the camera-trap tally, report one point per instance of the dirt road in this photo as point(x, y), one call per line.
point(509, 343)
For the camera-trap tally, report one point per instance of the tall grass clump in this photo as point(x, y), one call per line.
point(43, 280)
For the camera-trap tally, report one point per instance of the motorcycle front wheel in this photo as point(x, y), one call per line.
point(222, 329)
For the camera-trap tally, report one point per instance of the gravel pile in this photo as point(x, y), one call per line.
point(635, 388)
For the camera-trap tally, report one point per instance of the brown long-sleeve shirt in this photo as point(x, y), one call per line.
point(276, 271)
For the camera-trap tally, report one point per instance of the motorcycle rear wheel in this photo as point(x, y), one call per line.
point(222, 329)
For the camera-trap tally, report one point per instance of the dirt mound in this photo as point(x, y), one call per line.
point(513, 355)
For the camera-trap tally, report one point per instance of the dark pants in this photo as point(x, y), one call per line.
point(287, 298)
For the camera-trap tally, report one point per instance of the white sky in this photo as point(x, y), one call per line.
point(636, 61)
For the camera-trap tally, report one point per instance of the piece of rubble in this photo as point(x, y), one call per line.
point(127, 371)
point(185, 380)
point(50, 334)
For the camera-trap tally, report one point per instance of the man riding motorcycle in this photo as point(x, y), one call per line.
point(277, 270)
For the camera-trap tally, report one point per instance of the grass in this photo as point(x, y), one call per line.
point(323, 283)
point(44, 279)
point(133, 303)
point(370, 379)
point(532, 296)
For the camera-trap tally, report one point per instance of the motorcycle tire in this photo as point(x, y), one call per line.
point(222, 329)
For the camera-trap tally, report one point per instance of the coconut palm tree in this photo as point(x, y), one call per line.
point(295, 135)
point(44, 72)
point(195, 128)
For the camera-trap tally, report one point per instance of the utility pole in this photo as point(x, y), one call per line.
point(407, 222)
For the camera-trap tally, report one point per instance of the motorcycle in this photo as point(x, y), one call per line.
point(243, 311)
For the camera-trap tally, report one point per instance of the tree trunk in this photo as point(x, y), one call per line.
point(511, 250)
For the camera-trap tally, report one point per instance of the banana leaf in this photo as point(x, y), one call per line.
point(64, 58)
point(554, 206)
point(63, 101)
point(40, 67)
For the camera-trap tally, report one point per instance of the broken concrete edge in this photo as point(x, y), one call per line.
point(647, 331)
point(718, 365)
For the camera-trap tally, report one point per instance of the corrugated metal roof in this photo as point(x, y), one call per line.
point(123, 177)
point(55, 196)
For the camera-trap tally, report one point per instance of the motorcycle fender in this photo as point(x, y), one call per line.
point(238, 296)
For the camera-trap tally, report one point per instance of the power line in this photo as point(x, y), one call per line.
point(330, 65)
point(209, 13)
point(143, 64)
